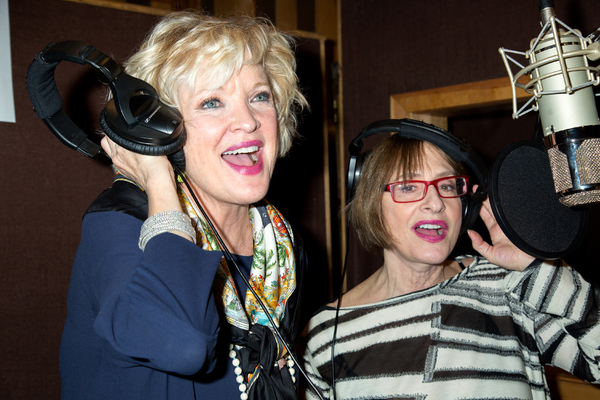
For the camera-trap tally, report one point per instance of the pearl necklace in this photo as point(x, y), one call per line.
point(239, 378)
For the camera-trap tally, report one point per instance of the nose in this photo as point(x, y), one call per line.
point(244, 119)
point(432, 200)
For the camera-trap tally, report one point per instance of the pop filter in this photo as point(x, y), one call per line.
point(522, 197)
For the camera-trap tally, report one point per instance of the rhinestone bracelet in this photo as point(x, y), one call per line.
point(165, 221)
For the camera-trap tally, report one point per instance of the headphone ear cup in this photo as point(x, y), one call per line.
point(120, 140)
point(470, 213)
point(107, 120)
point(354, 170)
point(471, 206)
point(178, 159)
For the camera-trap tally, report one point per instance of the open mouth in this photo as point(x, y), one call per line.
point(430, 230)
point(242, 157)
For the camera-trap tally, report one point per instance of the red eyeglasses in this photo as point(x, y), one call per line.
point(410, 191)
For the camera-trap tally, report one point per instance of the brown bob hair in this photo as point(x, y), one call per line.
point(394, 159)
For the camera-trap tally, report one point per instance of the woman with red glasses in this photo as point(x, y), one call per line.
point(424, 326)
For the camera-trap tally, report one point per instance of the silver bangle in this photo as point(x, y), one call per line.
point(165, 221)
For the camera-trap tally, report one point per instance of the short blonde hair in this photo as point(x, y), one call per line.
point(184, 45)
point(395, 158)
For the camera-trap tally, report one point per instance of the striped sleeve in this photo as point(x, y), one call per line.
point(563, 309)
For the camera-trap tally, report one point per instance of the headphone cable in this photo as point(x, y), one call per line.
point(337, 313)
point(232, 261)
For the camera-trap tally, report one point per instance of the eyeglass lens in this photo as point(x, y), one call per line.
point(415, 190)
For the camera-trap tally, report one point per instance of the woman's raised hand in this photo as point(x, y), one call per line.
point(153, 173)
point(138, 167)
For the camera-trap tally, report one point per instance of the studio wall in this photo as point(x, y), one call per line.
point(46, 187)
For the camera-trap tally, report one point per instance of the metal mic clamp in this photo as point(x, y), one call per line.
point(560, 82)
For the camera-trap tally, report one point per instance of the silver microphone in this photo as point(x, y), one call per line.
point(560, 80)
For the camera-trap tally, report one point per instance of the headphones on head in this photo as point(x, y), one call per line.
point(134, 118)
point(457, 149)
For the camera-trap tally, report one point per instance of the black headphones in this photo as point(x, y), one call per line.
point(449, 144)
point(134, 118)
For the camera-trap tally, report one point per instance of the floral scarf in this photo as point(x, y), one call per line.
point(272, 276)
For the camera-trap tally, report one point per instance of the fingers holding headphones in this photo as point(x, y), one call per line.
point(146, 171)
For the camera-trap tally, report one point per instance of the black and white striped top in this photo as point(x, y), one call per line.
point(485, 333)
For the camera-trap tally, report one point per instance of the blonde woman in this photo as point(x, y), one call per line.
point(154, 309)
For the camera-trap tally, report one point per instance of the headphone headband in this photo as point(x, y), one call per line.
point(134, 118)
point(82, 53)
point(458, 149)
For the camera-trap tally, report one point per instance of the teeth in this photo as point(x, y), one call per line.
point(430, 226)
point(243, 150)
point(438, 228)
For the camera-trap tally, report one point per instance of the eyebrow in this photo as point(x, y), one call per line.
point(209, 91)
point(262, 84)
point(419, 175)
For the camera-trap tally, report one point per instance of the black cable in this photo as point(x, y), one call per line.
point(337, 312)
point(231, 260)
